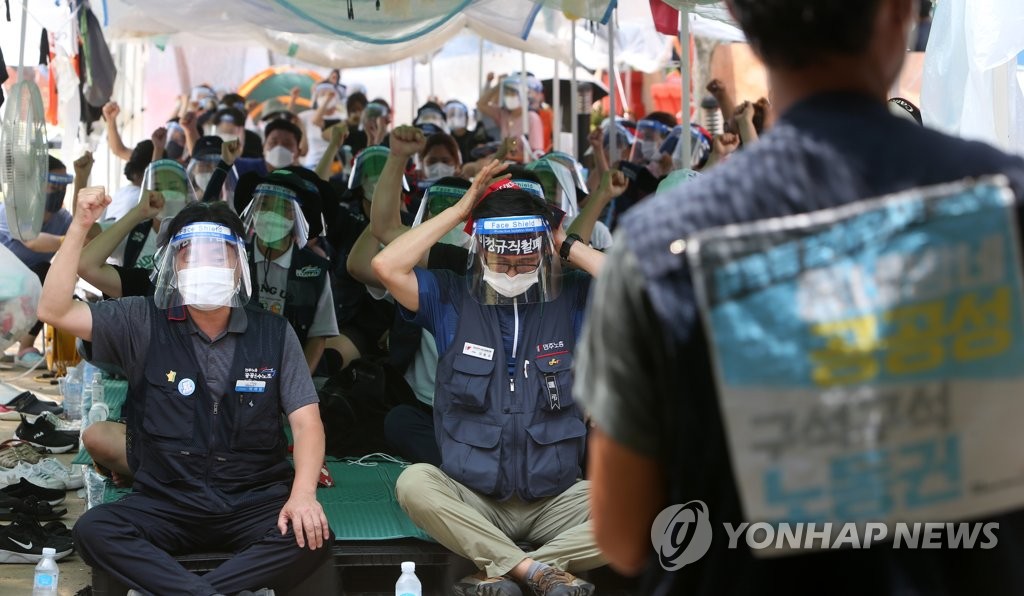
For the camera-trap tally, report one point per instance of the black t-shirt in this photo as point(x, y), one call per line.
point(134, 281)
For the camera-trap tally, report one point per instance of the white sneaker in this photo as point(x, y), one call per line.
point(37, 475)
point(72, 480)
point(61, 424)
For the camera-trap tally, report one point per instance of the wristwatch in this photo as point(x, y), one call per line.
point(567, 245)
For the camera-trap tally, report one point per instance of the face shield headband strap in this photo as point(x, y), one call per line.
point(499, 185)
point(61, 179)
point(505, 235)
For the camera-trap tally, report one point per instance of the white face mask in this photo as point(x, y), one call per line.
point(272, 227)
point(279, 157)
point(458, 121)
point(512, 103)
point(207, 288)
point(508, 286)
point(436, 171)
point(648, 150)
point(203, 179)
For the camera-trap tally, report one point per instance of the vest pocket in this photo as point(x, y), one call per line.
point(169, 413)
point(553, 453)
point(556, 382)
point(469, 381)
point(257, 426)
point(471, 453)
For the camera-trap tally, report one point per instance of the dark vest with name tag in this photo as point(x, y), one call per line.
point(193, 449)
point(504, 435)
point(307, 277)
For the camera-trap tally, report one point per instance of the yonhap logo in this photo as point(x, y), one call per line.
point(681, 535)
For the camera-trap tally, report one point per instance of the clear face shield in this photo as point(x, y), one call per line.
point(203, 266)
point(558, 184)
point(367, 169)
point(513, 260)
point(512, 97)
point(570, 163)
point(200, 171)
point(275, 219)
point(56, 189)
point(168, 179)
point(650, 134)
point(457, 115)
point(431, 116)
point(439, 197)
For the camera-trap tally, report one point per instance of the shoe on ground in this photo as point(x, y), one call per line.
point(15, 451)
point(44, 437)
point(24, 489)
point(28, 358)
point(492, 586)
point(34, 474)
point(66, 426)
point(12, 507)
point(28, 404)
point(71, 480)
point(549, 581)
point(23, 541)
point(9, 413)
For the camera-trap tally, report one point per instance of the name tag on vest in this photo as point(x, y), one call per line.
point(250, 386)
point(478, 351)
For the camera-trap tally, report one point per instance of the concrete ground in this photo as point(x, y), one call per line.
point(74, 573)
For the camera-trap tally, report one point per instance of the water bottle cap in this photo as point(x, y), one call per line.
point(408, 567)
point(49, 551)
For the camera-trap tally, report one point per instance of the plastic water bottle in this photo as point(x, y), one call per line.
point(95, 486)
point(73, 393)
point(408, 584)
point(47, 574)
point(98, 411)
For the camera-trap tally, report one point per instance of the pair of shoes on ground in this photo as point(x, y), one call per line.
point(23, 540)
point(44, 435)
point(26, 403)
point(31, 506)
point(546, 581)
point(48, 473)
point(260, 592)
point(16, 451)
point(24, 488)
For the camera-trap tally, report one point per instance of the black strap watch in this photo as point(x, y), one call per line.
point(567, 245)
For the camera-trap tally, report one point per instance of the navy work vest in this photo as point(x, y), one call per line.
point(521, 435)
point(307, 277)
point(187, 447)
point(136, 242)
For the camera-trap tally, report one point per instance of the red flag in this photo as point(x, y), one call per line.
point(666, 18)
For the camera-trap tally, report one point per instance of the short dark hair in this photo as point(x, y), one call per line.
point(211, 211)
point(796, 33)
point(285, 125)
point(442, 140)
point(356, 100)
point(141, 156)
point(663, 117)
point(55, 164)
point(382, 102)
point(511, 202)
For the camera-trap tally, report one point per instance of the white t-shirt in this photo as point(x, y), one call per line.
point(122, 202)
point(272, 282)
point(314, 138)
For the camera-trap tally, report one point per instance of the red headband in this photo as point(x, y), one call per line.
point(504, 184)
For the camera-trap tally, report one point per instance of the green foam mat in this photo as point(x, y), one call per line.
point(362, 504)
point(115, 391)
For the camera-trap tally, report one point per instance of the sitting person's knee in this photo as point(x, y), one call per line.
point(412, 481)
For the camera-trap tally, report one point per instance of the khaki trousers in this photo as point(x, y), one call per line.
point(486, 531)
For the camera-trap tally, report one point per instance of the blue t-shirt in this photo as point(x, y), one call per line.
point(57, 225)
point(441, 296)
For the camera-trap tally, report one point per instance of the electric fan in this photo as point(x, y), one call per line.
point(23, 154)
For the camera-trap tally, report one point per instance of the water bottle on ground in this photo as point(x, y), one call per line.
point(73, 393)
point(47, 573)
point(95, 486)
point(98, 411)
point(408, 584)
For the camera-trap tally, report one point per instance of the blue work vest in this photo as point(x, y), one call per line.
point(500, 434)
point(189, 448)
point(307, 276)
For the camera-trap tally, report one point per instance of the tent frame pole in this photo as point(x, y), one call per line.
point(574, 99)
point(613, 108)
point(556, 108)
point(525, 100)
point(684, 71)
